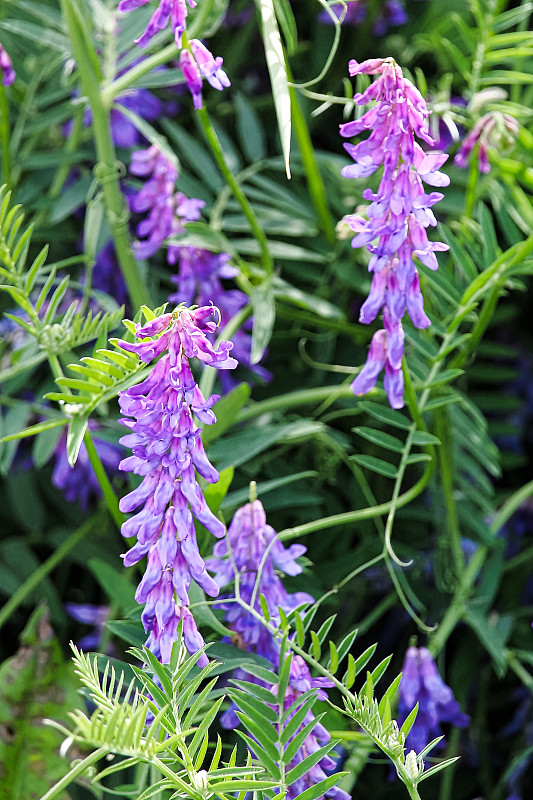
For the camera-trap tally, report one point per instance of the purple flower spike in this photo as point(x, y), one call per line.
point(258, 557)
point(422, 684)
point(167, 450)
point(199, 280)
point(7, 73)
point(174, 11)
point(167, 209)
point(394, 228)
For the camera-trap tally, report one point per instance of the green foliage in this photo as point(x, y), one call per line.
point(35, 685)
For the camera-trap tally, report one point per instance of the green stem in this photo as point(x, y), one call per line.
point(298, 398)
point(314, 178)
point(45, 569)
point(79, 769)
point(355, 516)
point(4, 136)
point(104, 482)
point(456, 609)
point(241, 198)
point(510, 506)
point(106, 170)
point(120, 84)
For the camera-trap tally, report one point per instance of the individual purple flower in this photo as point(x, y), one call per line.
point(394, 227)
point(89, 614)
point(493, 131)
point(199, 280)
point(167, 209)
point(173, 11)
point(7, 73)
point(79, 483)
point(300, 681)
point(167, 451)
point(198, 62)
point(422, 684)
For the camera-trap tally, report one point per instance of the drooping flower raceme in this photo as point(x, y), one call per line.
point(394, 228)
point(167, 450)
point(7, 73)
point(493, 131)
point(422, 684)
point(258, 556)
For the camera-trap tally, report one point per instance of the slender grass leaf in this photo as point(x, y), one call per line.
point(278, 76)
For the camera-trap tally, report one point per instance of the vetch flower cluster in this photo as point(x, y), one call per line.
point(493, 131)
point(167, 209)
point(252, 548)
point(7, 73)
point(198, 63)
point(167, 450)
point(422, 684)
point(258, 556)
point(394, 228)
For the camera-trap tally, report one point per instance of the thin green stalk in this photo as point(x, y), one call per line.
point(457, 607)
point(106, 170)
point(314, 178)
point(362, 513)
point(298, 398)
point(4, 136)
point(79, 769)
point(103, 481)
point(132, 76)
point(511, 505)
point(46, 568)
point(249, 213)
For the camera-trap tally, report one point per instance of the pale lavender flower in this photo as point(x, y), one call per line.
point(167, 451)
point(7, 73)
point(493, 131)
point(173, 11)
point(422, 684)
point(394, 228)
point(201, 62)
